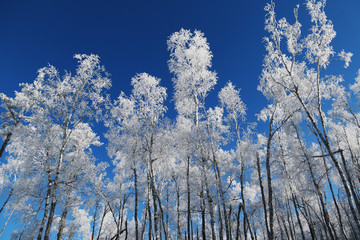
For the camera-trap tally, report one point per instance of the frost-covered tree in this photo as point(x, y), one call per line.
point(293, 80)
point(208, 174)
point(51, 154)
point(138, 144)
point(190, 62)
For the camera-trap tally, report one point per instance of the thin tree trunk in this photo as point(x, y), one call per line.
point(324, 139)
point(46, 209)
point(335, 201)
point(178, 227)
point(203, 217)
point(16, 118)
point(247, 224)
point(155, 209)
point(222, 201)
point(7, 221)
point(281, 229)
point(188, 196)
point(262, 192)
point(7, 200)
point(144, 220)
point(63, 218)
point(269, 186)
point(166, 228)
point(162, 215)
point(102, 222)
point(352, 188)
point(5, 143)
point(317, 188)
point(126, 229)
point(94, 220)
point(290, 218)
point(220, 224)
point(238, 223)
point(309, 222)
point(230, 213)
point(210, 201)
point(54, 191)
point(298, 216)
point(51, 215)
point(136, 206)
point(150, 220)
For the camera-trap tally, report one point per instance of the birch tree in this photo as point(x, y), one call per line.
point(135, 138)
point(293, 76)
point(190, 62)
point(56, 138)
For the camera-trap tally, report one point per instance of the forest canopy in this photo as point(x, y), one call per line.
point(207, 173)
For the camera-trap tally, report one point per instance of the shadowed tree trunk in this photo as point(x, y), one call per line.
point(7, 200)
point(188, 197)
point(5, 143)
point(258, 167)
point(46, 208)
point(64, 214)
point(136, 206)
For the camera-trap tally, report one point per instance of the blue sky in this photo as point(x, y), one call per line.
point(130, 37)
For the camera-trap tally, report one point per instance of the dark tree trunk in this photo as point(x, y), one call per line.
point(178, 212)
point(5, 143)
point(7, 200)
point(270, 191)
point(101, 223)
point(238, 223)
point(63, 219)
point(298, 216)
point(188, 197)
point(46, 209)
point(136, 206)
point(203, 217)
point(262, 192)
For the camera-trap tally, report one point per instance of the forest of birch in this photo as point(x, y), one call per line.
point(206, 172)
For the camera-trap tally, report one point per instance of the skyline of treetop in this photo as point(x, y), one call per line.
point(187, 161)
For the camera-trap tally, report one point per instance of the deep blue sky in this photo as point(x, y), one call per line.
point(130, 37)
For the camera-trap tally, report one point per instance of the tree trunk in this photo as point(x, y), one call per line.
point(94, 220)
point(270, 191)
point(136, 206)
point(247, 224)
point(262, 191)
point(102, 222)
point(352, 188)
point(222, 201)
point(144, 219)
point(7, 221)
point(210, 200)
point(54, 190)
point(62, 222)
point(46, 209)
point(5, 143)
point(7, 200)
point(51, 214)
point(178, 212)
point(298, 216)
point(188, 196)
point(150, 218)
point(238, 223)
point(324, 139)
point(203, 217)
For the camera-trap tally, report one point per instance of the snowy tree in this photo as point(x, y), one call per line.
point(190, 62)
point(293, 80)
point(137, 143)
point(52, 152)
